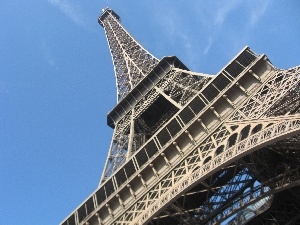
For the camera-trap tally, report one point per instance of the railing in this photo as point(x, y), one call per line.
point(242, 148)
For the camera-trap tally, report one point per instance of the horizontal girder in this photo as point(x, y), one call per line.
point(201, 150)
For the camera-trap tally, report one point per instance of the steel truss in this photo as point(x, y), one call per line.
point(131, 64)
point(263, 100)
point(189, 148)
point(131, 61)
point(242, 123)
point(178, 87)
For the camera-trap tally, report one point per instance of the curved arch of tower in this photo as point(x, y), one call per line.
point(192, 148)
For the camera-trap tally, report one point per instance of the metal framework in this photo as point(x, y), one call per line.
point(190, 148)
point(131, 64)
point(131, 61)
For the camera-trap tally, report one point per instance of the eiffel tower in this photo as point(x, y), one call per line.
point(193, 148)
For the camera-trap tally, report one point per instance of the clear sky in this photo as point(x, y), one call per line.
point(57, 83)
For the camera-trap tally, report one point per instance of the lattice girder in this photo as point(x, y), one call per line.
point(188, 178)
point(253, 124)
point(131, 61)
point(284, 210)
point(276, 183)
point(201, 141)
point(177, 87)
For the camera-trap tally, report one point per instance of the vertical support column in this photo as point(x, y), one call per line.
point(177, 147)
point(154, 170)
point(228, 100)
point(131, 136)
point(120, 200)
point(190, 136)
point(242, 88)
point(76, 217)
point(203, 125)
point(99, 219)
point(131, 191)
point(109, 210)
point(215, 112)
point(253, 74)
point(165, 158)
point(142, 180)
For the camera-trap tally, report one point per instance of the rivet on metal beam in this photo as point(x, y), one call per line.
point(142, 180)
point(165, 158)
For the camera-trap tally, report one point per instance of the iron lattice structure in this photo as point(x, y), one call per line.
point(190, 148)
point(131, 64)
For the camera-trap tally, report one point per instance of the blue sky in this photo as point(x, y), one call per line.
point(57, 83)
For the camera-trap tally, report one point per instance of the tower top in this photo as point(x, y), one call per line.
point(105, 12)
point(131, 61)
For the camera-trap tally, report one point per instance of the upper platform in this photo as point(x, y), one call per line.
point(140, 90)
point(105, 13)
